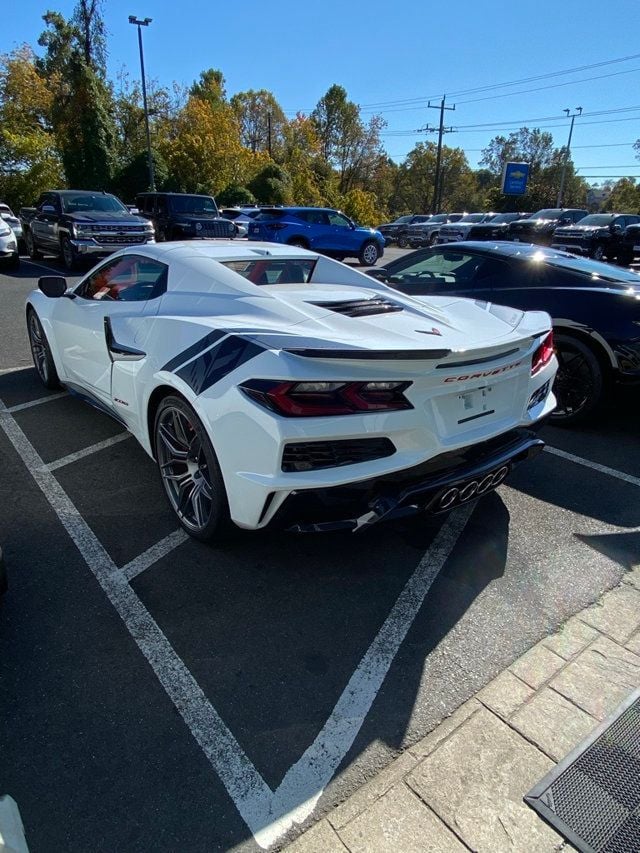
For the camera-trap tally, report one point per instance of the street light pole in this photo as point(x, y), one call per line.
point(144, 22)
point(566, 153)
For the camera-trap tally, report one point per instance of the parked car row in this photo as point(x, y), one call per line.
point(602, 236)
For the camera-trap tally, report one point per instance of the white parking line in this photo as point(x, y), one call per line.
point(88, 451)
point(16, 369)
point(20, 406)
point(268, 814)
point(153, 554)
point(246, 787)
point(42, 266)
point(603, 469)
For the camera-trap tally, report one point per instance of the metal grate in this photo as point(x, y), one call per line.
point(361, 307)
point(593, 796)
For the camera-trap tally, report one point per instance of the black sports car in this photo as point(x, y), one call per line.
point(595, 306)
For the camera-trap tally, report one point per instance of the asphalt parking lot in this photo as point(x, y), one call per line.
point(159, 694)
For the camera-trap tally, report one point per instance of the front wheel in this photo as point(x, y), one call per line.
point(369, 254)
point(597, 253)
point(298, 242)
point(189, 470)
point(69, 256)
point(41, 352)
point(579, 383)
point(32, 251)
point(402, 242)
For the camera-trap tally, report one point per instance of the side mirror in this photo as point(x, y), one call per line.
point(47, 208)
point(53, 286)
point(617, 228)
point(378, 273)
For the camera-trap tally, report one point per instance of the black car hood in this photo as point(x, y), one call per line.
point(106, 216)
point(199, 217)
point(585, 229)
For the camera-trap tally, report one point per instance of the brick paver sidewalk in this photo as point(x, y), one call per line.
point(461, 787)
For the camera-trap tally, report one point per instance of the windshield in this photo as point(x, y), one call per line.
point(473, 217)
point(548, 213)
point(439, 217)
point(507, 217)
point(6, 212)
point(403, 219)
point(196, 204)
point(296, 271)
point(88, 203)
point(597, 219)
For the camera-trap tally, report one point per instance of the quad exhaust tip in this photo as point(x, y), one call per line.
point(473, 488)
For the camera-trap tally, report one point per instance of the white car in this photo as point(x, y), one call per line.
point(12, 220)
point(273, 385)
point(9, 256)
point(456, 231)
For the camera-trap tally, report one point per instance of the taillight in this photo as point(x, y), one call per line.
point(320, 399)
point(543, 354)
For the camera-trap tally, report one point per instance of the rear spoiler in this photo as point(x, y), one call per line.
point(369, 354)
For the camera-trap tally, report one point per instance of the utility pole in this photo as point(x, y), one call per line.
point(567, 151)
point(144, 22)
point(269, 132)
point(437, 190)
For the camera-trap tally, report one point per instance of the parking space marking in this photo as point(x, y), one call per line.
point(31, 403)
point(268, 814)
point(15, 369)
point(596, 466)
point(246, 787)
point(42, 267)
point(152, 555)
point(88, 451)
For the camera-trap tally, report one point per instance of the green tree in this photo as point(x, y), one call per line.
point(234, 195)
point(29, 160)
point(261, 120)
point(82, 112)
point(624, 197)
point(350, 146)
point(272, 185)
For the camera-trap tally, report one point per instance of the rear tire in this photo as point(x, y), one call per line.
point(580, 382)
point(189, 471)
point(41, 352)
point(369, 254)
point(32, 250)
point(298, 242)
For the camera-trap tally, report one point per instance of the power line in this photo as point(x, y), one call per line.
point(493, 86)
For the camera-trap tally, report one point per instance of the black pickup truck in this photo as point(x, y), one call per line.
point(81, 224)
point(184, 216)
point(539, 227)
point(599, 235)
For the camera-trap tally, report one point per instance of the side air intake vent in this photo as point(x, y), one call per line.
point(311, 455)
point(361, 307)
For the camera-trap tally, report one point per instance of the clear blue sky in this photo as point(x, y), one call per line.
point(385, 52)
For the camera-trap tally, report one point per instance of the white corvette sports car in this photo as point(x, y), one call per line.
point(273, 385)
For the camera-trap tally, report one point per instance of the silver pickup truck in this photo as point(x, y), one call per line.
point(81, 224)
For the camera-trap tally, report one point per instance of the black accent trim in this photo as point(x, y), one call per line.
point(194, 349)
point(361, 307)
point(214, 364)
point(87, 397)
point(477, 360)
point(116, 349)
point(267, 504)
point(334, 453)
point(370, 354)
point(475, 417)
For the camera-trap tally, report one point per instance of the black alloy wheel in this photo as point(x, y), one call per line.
point(41, 352)
point(402, 241)
point(597, 253)
point(579, 383)
point(433, 239)
point(33, 253)
point(189, 470)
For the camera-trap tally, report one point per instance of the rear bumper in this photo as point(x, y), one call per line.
point(434, 487)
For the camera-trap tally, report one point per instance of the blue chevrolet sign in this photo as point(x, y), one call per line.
point(514, 178)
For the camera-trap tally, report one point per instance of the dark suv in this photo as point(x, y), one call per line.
point(598, 235)
point(319, 229)
point(182, 216)
point(396, 231)
point(539, 227)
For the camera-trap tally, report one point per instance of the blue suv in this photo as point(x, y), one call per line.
point(320, 229)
